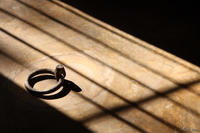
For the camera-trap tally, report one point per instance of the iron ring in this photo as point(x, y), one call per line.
point(55, 72)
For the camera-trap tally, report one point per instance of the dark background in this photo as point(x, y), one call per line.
point(168, 24)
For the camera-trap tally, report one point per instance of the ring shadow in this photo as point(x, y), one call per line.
point(66, 87)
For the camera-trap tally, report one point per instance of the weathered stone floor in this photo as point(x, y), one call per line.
point(124, 84)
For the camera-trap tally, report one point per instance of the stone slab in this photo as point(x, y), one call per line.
point(127, 85)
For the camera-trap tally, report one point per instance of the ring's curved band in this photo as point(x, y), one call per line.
point(42, 71)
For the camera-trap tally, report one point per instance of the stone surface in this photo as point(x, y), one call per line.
point(127, 85)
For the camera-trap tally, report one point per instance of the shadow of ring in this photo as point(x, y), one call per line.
point(42, 71)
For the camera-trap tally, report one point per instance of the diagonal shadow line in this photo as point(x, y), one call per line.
point(103, 44)
point(130, 124)
point(109, 112)
point(145, 86)
point(9, 57)
point(13, 59)
point(116, 110)
point(137, 104)
point(154, 51)
point(171, 91)
point(133, 104)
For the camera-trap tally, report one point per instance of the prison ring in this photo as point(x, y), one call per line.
point(59, 74)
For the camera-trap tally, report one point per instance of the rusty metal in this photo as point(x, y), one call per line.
point(59, 74)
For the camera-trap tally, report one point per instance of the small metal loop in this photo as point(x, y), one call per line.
point(58, 73)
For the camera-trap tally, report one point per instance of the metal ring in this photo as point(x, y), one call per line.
point(42, 71)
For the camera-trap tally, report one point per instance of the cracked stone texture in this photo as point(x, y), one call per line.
point(127, 85)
